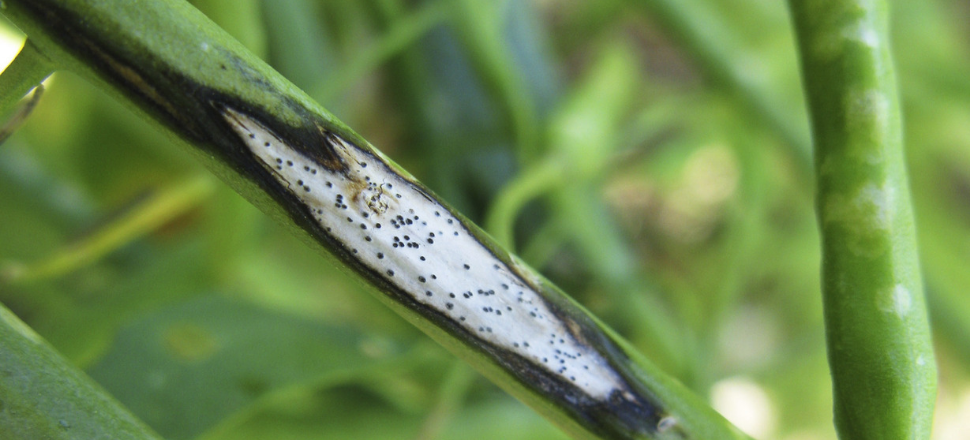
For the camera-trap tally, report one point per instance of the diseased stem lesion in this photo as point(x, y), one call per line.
point(309, 171)
point(411, 237)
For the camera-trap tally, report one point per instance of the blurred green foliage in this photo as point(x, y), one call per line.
point(686, 224)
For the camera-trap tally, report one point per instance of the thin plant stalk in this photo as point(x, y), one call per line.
point(880, 352)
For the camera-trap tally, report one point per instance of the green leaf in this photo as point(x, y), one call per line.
point(44, 397)
point(184, 369)
point(349, 413)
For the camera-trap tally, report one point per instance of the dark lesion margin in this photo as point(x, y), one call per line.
point(625, 407)
point(196, 113)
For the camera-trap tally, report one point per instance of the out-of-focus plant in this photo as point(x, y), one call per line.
point(651, 157)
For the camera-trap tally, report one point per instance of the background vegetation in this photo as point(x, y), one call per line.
point(684, 219)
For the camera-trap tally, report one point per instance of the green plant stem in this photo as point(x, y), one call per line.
point(405, 32)
point(583, 138)
point(263, 136)
point(534, 181)
point(42, 396)
point(880, 352)
point(586, 132)
point(721, 57)
point(148, 215)
point(480, 25)
point(27, 70)
point(453, 390)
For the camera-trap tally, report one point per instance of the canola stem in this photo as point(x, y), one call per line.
point(879, 346)
point(307, 170)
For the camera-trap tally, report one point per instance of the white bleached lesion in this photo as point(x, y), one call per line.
point(413, 242)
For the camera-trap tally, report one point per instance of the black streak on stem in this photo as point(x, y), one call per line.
point(195, 113)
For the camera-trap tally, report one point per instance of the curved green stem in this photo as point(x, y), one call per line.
point(533, 182)
point(156, 210)
point(880, 352)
